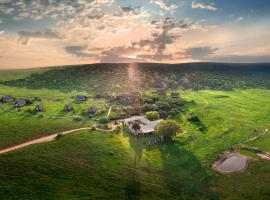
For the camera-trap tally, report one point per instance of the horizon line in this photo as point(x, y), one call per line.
point(160, 63)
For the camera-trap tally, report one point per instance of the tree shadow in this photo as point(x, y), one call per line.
point(133, 187)
point(184, 175)
point(136, 144)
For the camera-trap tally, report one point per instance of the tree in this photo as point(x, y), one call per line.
point(136, 126)
point(152, 115)
point(168, 129)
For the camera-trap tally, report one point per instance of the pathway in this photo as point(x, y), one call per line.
point(51, 138)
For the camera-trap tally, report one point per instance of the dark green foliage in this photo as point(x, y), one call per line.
point(193, 118)
point(152, 115)
point(77, 118)
point(196, 120)
point(147, 107)
point(168, 129)
point(194, 76)
point(59, 136)
point(103, 120)
point(136, 126)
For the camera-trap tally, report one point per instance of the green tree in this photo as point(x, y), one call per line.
point(136, 126)
point(152, 115)
point(168, 129)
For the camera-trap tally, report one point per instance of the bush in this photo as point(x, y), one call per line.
point(103, 120)
point(150, 100)
point(147, 107)
point(193, 118)
point(58, 136)
point(77, 119)
point(168, 129)
point(152, 115)
point(162, 105)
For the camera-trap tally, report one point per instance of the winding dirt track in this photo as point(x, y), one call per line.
point(51, 138)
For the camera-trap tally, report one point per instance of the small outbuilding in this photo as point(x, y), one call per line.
point(7, 99)
point(21, 103)
point(81, 98)
point(175, 95)
point(68, 107)
point(39, 107)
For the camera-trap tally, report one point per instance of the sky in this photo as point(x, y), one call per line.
point(44, 33)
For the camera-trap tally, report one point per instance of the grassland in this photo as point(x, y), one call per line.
point(93, 165)
point(99, 165)
point(18, 127)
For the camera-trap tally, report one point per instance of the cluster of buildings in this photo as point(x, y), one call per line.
point(40, 107)
point(136, 125)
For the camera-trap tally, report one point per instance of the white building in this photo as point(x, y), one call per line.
point(147, 127)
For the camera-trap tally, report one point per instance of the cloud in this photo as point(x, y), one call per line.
point(59, 9)
point(5, 1)
point(207, 6)
point(6, 10)
point(167, 31)
point(239, 19)
point(200, 52)
point(79, 51)
point(167, 6)
point(131, 10)
point(25, 36)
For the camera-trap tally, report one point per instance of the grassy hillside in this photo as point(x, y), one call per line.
point(93, 165)
point(221, 106)
point(17, 127)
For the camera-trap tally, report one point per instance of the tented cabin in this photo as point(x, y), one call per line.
point(7, 99)
point(20, 103)
point(81, 98)
point(39, 107)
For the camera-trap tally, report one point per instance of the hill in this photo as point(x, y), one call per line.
point(221, 108)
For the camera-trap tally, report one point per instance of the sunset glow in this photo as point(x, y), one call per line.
point(55, 32)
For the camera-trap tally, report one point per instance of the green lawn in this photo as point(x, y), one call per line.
point(230, 117)
point(97, 165)
point(18, 127)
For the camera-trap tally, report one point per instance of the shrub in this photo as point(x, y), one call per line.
point(168, 129)
point(162, 105)
point(59, 135)
point(77, 118)
point(193, 118)
point(147, 107)
point(152, 115)
point(103, 120)
point(136, 126)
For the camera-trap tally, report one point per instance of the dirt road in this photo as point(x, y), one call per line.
point(51, 138)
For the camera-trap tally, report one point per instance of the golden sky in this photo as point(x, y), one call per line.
point(56, 32)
